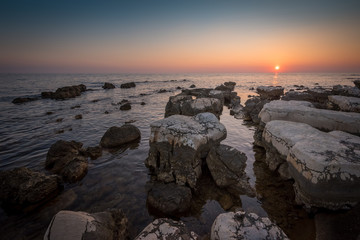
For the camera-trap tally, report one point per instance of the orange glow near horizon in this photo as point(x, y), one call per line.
point(277, 68)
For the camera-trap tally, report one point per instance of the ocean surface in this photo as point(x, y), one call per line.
point(118, 179)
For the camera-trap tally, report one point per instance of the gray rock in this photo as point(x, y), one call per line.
point(230, 85)
point(81, 226)
point(117, 136)
point(347, 104)
point(357, 83)
point(164, 228)
point(346, 91)
point(169, 198)
point(270, 92)
point(178, 143)
point(22, 187)
point(65, 92)
point(108, 86)
point(252, 108)
point(301, 111)
point(66, 159)
point(247, 226)
point(128, 85)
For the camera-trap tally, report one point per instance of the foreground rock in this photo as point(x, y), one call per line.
point(65, 92)
point(252, 109)
point(185, 105)
point(170, 198)
point(347, 104)
point(164, 228)
point(270, 92)
point(20, 100)
point(117, 136)
point(108, 86)
point(81, 226)
point(247, 226)
point(301, 111)
point(227, 165)
point(67, 159)
point(178, 144)
point(22, 187)
point(325, 166)
point(128, 85)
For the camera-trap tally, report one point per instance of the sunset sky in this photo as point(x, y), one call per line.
point(179, 36)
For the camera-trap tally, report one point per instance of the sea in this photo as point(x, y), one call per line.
point(119, 179)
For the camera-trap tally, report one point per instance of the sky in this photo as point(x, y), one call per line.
point(154, 36)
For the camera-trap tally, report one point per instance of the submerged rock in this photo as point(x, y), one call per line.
point(178, 144)
point(270, 92)
point(347, 104)
point(66, 159)
point(117, 136)
point(128, 85)
point(94, 152)
point(169, 198)
point(125, 106)
point(247, 226)
point(81, 226)
point(20, 100)
point(22, 187)
point(164, 228)
point(65, 92)
point(108, 86)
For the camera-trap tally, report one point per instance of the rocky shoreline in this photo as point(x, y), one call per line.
point(311, 137)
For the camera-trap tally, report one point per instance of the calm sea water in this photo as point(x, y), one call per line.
point(118, 179)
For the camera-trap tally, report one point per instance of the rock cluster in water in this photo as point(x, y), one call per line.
point(65, 92)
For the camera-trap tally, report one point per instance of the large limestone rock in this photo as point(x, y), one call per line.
point(68, 160)
point(325, 166)
point(65, 92)
point(227, 165)
point(117, 136)
point(347, 104)
point(301, 111)
point(185, 105)
point(81, 226)
point(270, 92)
point(178, 143)
point(164, 228)
point(247, 226)
point(22, 187)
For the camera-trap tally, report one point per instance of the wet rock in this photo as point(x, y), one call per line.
point(59, 119)
point(192, 86)
point(170, 198)
point(227, 165)
point(117, 136)
point(65, 92)
point(242, 225)
point(301, 111)
point(178, 88)
point(228, 93)
point(270, 92)
point(142, 103)
point(94, 152)
point(126, 106)
point(66, 159)
point(185, 105)
point(162, 91)
point(20, 100)
point(230, 85)
point(128, 85)
point(252, 108)
point(178, 144)
point(81, 226)
point(164, 228)
point(106, 112)
point(347, 104)
point(22, 187)
point(49, 113)
point(76, 106)
point(325, 166)
point(79, 116)
point(108, 85)
point(357, 83)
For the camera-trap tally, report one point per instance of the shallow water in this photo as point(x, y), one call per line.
point(118, 178)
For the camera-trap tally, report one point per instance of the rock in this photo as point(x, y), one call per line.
point(65, 92)
point(108, 86)
point(298, 96)
point(164, 228)
point(270, 92)
point(94, 152)
point(66, 159)
point(242, 225)
point(301, 111)
point(178, 144)
point(79, 116)
point(76, 106)
point(347, 104)
point(346, 91)
point(185, 105)
point(20, 100)
point(357, 83)
point(230, 85)
point(59, 119)
point(22, 187)
point(117, 136)
point(81, 226)
point(162, 91)
point(325, 166)
point(227, 92)
point(192, 86)
point(142, 103)
point(126, 106)
point(178, 88)
point(49, 113)
point(252, 108)
point(128, 85)
point(227, 165)
point(170, 199)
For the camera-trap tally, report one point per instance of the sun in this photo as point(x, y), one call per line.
point(277, 67)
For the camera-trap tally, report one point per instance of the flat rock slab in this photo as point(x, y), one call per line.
point(325, 166)
point(247, 226)
point(347, 104)
point(303, 112)
point(178, 143)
